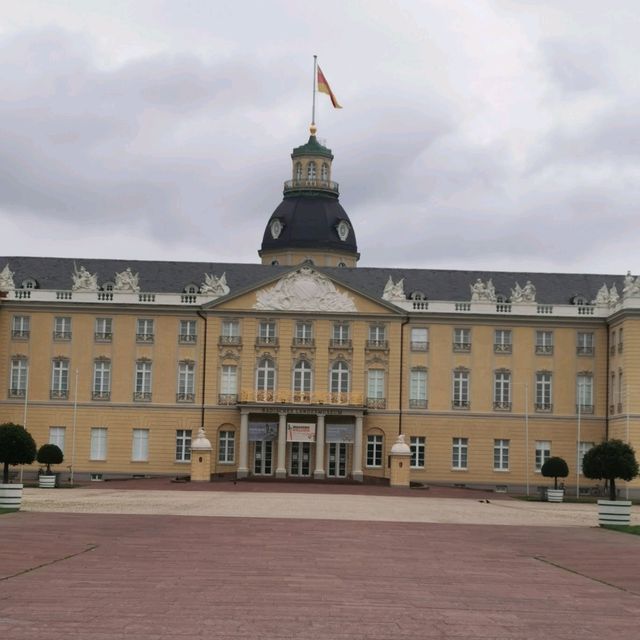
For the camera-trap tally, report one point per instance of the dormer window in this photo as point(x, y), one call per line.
point(108, 286)
point(29, 283)
point(191, 288)
point(579, 300)
point(311, 171)
point(418, 295)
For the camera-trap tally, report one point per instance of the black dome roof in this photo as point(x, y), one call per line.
point(309, 222)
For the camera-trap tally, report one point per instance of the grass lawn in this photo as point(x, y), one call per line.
point(6, 510)
point(633, 529)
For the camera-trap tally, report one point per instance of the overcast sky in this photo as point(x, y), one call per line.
point(488, 134)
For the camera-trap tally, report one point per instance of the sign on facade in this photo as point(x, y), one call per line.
point(301, 432)
point(340, 433)
point(259, 431)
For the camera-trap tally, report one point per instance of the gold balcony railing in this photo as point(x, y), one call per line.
point(302, 397)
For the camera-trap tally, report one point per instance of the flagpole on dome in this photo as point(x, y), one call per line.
point(313, 108)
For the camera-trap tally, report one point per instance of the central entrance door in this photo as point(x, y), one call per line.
point(337, 467)
point(263, 458)
point(300, 459)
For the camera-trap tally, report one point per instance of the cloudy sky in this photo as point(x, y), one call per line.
point(488, 134)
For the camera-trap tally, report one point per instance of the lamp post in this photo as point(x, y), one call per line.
point(73, 432)
point(526, 435)
point(580, 398)
point(24, 414)
point(626, 393)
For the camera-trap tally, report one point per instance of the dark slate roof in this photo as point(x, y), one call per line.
point(309, 223)
point(435, 284)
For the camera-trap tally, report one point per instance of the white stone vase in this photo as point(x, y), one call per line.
point(614, 512)
point(10, 496)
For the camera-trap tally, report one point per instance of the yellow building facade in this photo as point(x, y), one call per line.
point(307, 366)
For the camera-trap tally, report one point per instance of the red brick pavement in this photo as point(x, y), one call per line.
point(107, 577)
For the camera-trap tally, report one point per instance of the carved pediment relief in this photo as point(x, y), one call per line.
point(304, 290)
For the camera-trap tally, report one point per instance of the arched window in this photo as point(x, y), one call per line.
point(311, 171)
point(298, 171)
point(265, 379)
point(324, 171)
point(302, 381)
point(29, 283)
point(339, 381)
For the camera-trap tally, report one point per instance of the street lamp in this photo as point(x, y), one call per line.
point(73, 433)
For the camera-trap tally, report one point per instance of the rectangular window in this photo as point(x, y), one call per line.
point(18, 378)
point(20, 326)
point(417, 445)
point(230, 332)
point(186, 382)
point(144, 330)
point(98, 443)
point(502, 341)
point(374, 451)
point(544, 342)
point(56, 436)
point(375, 389)
point(267, 332)
point(419, 339)
point(584, 393)
point(228, 384)
point(227, 447)
point(543, 391)
point(620, 334)
point(377, 336)
point(103, 330)
point(501, 455)
point(583, 448)
point(460, 390)
point(340, 336)
point(612, 342)
point(304, 334)
point(143, 380)
point(462, 339)
point(60, 380)
point(183, 445)
point(187, 332)
point(418, 389)
point(101, 380)
point(612, 393)
point(585, 344)
point(459, 453)
point(62, 328)
point(140, 445)
point(543, 453)
point(502, 391)
point(621, 391)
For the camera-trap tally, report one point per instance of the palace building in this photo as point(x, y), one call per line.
point(308, 366)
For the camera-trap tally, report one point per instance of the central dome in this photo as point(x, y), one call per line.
point(310, 223)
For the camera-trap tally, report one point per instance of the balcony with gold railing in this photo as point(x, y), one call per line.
point(346, 399)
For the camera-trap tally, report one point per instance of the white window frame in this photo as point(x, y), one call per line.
point(62, 328)
point(18, 377)
point(544, 391)
point(266, 375)
point(376, 384)
point(461, 339)
point(583, 447)
point(101, 377)
point(183, 445)
point(544, 342)
point(229, 379)
point(419, 339)
point(460, 391)
point(227, 446)
point(418, 388)
point(140, 445)
point(187, 331)
point(418, 447)
point(501, 454)
point(186, 379)
point(99, 442)
point(502, 341)
point(103, 329)
point(143, 380)
point(584, 392)
point(375, 442)
point(302, 380)
point(60, 376)
point(542, 453)
point(502, 390)
point(460, 454)
point(145, 328)
point(57, 437)
point(339, 377)
point(20, 326)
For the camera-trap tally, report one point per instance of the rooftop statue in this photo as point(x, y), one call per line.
point(394, 292)
point(631, 286)
point(83, 280)
point(6, 279)
point(127, 281)
point(481, 292)
point(215, 286)
point(523, 294)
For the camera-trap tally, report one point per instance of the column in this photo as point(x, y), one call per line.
point(357, 451)
point(318, 474)
point(281, 468)
point(243, 467)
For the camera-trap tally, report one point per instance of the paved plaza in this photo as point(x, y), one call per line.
point(242, 562)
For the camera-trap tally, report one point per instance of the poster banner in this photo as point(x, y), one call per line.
point(259, 431)
point(340, 433)
point(301, 432)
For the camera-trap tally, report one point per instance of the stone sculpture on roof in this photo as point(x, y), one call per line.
point(394, 292)
point(6, 279)
point(83, 280)
point(631, 287)
point(304, 290)
point(524, 294)
point(606, 297)
point(127, 281)
point(215, 286)
point(483, 292)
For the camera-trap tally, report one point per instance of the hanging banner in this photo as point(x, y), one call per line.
point(340, 433)
point(259, 431)
point(301, 432)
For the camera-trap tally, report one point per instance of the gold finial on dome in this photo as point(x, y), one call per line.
point(313, 129)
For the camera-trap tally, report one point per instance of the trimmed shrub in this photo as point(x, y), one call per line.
point(610, 460)
point(16, 447)
point(49, 454)
point(555, 468)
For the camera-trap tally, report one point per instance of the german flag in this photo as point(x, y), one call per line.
point(323, 87)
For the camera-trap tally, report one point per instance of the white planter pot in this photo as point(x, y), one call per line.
point(614, 511)
point(10, 496)
point(47, 482)
point(555, 495)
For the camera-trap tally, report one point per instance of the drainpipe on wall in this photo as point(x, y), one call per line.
point(608, 385)
point(204, 366)
point(404, 322)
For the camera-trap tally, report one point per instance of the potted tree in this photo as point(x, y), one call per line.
point(48, 454)
point(16, 447)
point(555, 468)
point(609, 461)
